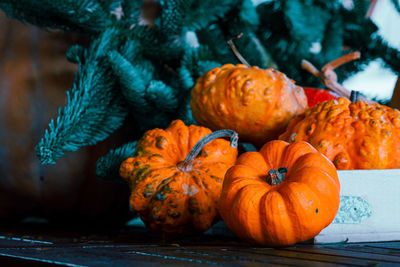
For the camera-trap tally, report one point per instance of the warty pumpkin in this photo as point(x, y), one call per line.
point(281, 195)
point(173, 188)
point(34, 76)
point(355, 135)
point(256, 103)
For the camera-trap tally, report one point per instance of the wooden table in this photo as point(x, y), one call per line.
point(44, 245)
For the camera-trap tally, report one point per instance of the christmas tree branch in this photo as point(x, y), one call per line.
point(107, 167)
point(94, 107)
point(86, 16)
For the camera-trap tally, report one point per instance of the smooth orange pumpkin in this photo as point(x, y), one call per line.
point(173, 189)
point(255, 103)
point(352, 135)
point(281, 195)
point(34, 76)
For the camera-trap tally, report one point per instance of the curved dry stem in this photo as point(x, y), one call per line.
point(187, 164)
point(236, 52)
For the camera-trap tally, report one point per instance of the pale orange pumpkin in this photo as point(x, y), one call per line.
point(173, 189)
point(256, 103)
point(355, 135)
point(281, 195)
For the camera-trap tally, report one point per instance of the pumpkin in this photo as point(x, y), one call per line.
point(317, 95)
point(173, 189)
point(34, 75)
point(255, 103)
point(353, 135)
point(281, 195)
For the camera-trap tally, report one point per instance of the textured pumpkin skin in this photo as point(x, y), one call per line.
point(34, 76)
point(352, 135)
point(255, 103)
point(168, 199)
point(293, 211)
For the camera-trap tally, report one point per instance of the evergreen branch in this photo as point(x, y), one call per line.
point(333, 41)
point(162, 96)
point(85, 16)
point(248, 14)
point(185, 112)
point(307, 22)
point(131, 50)
point(131, 10)
point(76, 54)
point(93, 111)
point(216, 42)
point(391, 56)
point(396, 5)
point(107, 167)
point(195, 62)
point(185, 77)
point(172, 15)
point(133, 81)
point(196, 20)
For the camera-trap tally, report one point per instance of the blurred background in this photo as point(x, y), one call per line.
point(376, 81)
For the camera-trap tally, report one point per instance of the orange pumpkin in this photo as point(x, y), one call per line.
point(281, 195)
point(173, 189)
point(352, 135)
point(34, 76)
point(256, 103)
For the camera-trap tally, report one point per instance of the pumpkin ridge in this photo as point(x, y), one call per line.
point(298, 209)
point(304, 216)
point(311, 160)
point(322, 189)
point(242, 221)
point(312, 168)
point(297, 228)
point(267, 203)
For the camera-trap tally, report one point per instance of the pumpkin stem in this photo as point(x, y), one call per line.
point(276, 177)
point(329, 77)
point(354, 96)
point(236, 52)
point(187, 164)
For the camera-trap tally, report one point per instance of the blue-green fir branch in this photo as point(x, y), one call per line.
point(172, 15)
point(195, 62)
point(396, 4)
point(86, 16)
point(93, 111)
point(76, 54)
point(107, 167)
point(133, 81)
point(302, 17)
point(143, 93)
point(204, 13)
point(163, 97)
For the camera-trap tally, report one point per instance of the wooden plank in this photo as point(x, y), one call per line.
point(380, 190)
point(136, 246)
point(371, 250)
point(245, 257)
point(318, 258)
point(343, 252)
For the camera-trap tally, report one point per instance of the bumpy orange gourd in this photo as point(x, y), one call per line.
point(168, 195)
point(281, 195)
point(256, 103)
point(352, 135)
